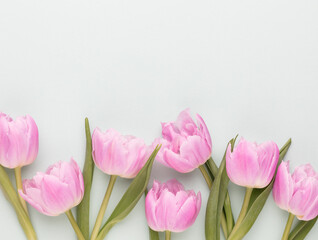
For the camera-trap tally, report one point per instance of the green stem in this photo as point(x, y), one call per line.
point(18, 181)
point(228, 213)
point(288, 226)
point(242, 214)
point(103, 207)
point(74, 225)
point(209, 182)
point(168, 235)
point(13, 198)
point(206, 176)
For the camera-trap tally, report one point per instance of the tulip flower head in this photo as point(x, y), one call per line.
point(57, 190)
point(119, 155)
point(171, 208)
point(252, 165)
point(185, 144)
point(297, 193)
point(19, 141)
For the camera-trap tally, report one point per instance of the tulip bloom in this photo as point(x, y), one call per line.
point(171, 208)
point(116, 155)
point(252, 165)
point(297, 193)
point(57, 190)
point(119, 155)
point(185, 144)
point(19, 141)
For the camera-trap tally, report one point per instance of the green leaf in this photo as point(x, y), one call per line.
point(216, 201)
point(82, 210)
point(13, 198)
point(131, 196)
point(213, 170)
point(302, 229)
point(257, 201)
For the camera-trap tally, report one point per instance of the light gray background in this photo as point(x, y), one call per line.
point(248, 67)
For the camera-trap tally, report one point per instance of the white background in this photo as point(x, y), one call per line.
point(248, 67)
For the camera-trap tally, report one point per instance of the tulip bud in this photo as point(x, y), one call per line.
point(185, 145)
point(19, 141)
point(57, 190)
point(297, 193)
point(171, 208)
point(119, 155)
point(252, 165)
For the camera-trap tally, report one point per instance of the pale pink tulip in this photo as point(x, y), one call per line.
point(119, 155)
point(185, 144)
point(57, 190)
point(19, 141)
point(252, 165)
point(171, 208)
point(297, 193)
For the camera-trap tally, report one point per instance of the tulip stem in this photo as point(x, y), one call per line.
point(209, 182)
point(243, 212)
point(18, 180)
point(168, 235)
point(288, 226)
point(206, 176)
point(103, 207)
point(12, 196)
point(74, 225)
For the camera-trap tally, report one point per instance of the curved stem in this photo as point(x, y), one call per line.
point(288, 226)
point(12, 196)
point(168, 235)
point(103, 207)
point(18, 181)
point(209, 182)
point(74, 225)
point(242, 214)
point(206, 176)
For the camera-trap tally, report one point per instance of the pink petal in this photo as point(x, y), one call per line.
point(204, 130)
point(268, 154)
point(185, 123)
point(195, 150)
point(283, 186)
point(173, 186)
point(242, 164)
point(150, 209)
point(187, 214)
point(178, 163)
point(56, 195)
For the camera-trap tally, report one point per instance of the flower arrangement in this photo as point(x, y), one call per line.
point(185, 146)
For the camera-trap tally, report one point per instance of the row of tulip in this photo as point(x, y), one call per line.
point(184, 146)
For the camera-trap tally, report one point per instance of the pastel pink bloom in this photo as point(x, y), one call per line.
point(171, 208)
point(19, 141)
point(185, 144)
point(252, 165)
point(297, 193)
point(57, 190)
point(119, 155)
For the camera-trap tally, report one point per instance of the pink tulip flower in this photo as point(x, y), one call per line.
point(19, 141)
point(185, 145)
point(119, 155)
point(252, 165)
point(297, 193)
point(57, 190)
point(171, 208)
